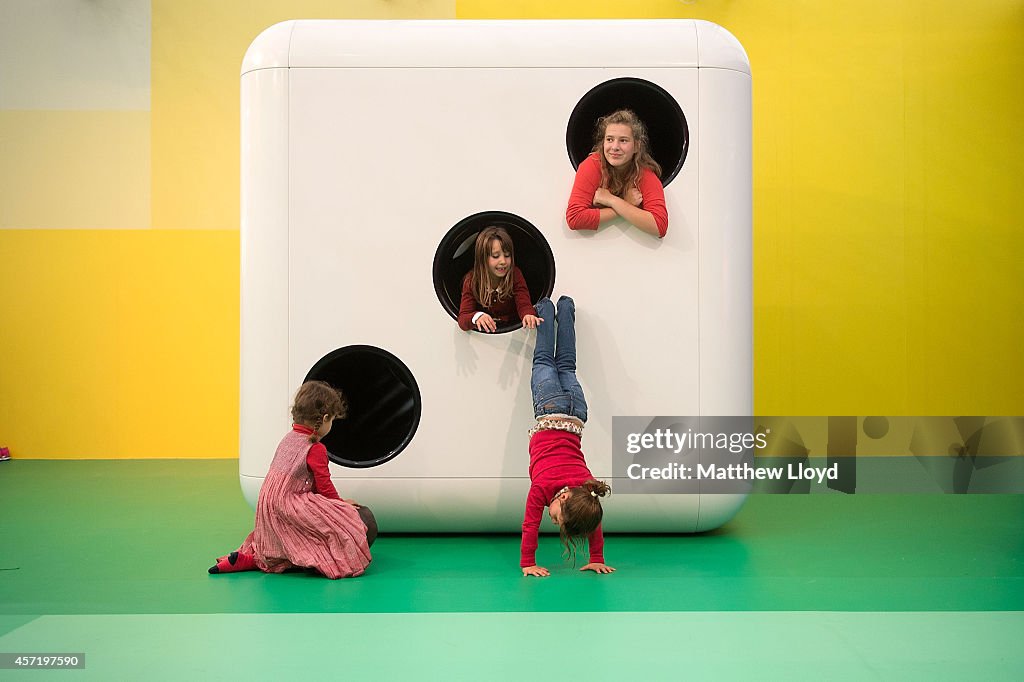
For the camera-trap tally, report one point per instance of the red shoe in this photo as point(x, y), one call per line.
point(5, 454)
point(233, 563)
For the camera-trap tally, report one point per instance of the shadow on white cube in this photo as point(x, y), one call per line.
point(373, 152)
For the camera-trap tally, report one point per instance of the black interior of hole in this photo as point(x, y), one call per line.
point(666, 124)
point(383, 405)
point(454, 258)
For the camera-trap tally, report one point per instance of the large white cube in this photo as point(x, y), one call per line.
point(365, 142)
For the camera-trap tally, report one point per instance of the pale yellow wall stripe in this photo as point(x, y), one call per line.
point(197, 55)
point(74, 169)
point(74, 114)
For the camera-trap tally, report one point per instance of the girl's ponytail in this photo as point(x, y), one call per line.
point(582, 513)
point(315, 436)
point(596, 488)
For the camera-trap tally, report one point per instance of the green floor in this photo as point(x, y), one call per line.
point(100, 557)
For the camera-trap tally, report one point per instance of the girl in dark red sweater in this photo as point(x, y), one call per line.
point(494, 292)
point(559, 477)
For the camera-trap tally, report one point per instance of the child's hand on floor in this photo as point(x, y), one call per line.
point(538, 571)
point(598, 568)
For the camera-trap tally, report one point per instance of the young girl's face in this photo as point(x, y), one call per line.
point(618, 144)
point(555, 507)
point(555, 511)
point(498, 260)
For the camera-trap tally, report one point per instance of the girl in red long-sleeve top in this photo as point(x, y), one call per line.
point(494, 292)
point(619, 179)
point(559, 477)
point(301, 521)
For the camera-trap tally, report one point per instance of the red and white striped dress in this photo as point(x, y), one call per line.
point(297, 527)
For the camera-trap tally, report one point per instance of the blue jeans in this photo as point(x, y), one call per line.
point(553, 384)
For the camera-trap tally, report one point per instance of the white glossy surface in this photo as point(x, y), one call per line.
point(719, 49)
point(264, 384)
point(270, 49)
point(726, 258)
point(489, 44)
point(374, 165)
point(369, 43)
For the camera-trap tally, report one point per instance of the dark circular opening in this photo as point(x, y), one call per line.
point(454, 258)
point(666, 124)
point(383, 405)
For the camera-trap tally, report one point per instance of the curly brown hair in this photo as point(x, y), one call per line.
point(315, 401)
point(581, 514)
point(618, 181)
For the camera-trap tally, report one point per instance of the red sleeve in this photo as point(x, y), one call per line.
point(531, 526)
point(316, 460)
point(596, 543)
point(654, 200)
point(581, 214)
point(521, 294)
point(468, 306)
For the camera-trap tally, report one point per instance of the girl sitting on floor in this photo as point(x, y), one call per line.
point(301, 521)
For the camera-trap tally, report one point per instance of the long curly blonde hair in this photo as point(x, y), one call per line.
point(619, 180)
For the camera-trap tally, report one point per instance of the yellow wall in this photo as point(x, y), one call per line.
point(120, 343)
point(887, 157)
